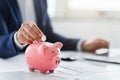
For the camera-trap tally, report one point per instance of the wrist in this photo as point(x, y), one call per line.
point(18, 45)
point(83, 45)
point(17, 39)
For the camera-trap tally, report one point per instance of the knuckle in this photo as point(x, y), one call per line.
point(27, 36)
point(30, 30)
point(32, 26)
point(21, 30)
point(32, 22)
point(24, 24)
point(23, 27)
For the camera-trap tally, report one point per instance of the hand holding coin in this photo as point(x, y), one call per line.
point(29, 32)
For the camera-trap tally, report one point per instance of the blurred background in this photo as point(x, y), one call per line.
point(87, 19)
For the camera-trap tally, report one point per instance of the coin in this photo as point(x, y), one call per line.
point(43, 38)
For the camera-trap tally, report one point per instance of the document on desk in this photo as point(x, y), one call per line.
point(77, 70)
point(66, 70)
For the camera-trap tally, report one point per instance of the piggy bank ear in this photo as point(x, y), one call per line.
point(58, 45)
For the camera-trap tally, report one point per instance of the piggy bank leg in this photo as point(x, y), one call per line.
point(43, 71)
point(51, 71)
point(31, 69)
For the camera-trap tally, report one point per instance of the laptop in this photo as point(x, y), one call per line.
point(113, 56)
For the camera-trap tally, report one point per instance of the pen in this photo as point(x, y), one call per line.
point(68, 59)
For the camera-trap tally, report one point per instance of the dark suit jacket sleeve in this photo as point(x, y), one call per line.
point(68, 43)
point(7, 46)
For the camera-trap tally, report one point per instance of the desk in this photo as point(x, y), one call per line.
point(33, 76)
point(80, 56)
point(16, 69)
point(21, 75)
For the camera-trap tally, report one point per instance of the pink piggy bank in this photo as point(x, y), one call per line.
point(43, 56)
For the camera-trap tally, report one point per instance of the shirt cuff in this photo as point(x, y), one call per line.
point(79, 44)
point(18, 45)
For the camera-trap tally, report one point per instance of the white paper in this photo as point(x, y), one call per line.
point(70, 70)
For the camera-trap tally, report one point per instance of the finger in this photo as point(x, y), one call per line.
point(24, 40)
point(31, 32)
point(104, 43)
point(35, 28)
point(107, 44)
point(26, 35)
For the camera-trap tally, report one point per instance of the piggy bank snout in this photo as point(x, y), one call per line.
point(56, 60)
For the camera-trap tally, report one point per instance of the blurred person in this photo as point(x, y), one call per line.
point(24, 21)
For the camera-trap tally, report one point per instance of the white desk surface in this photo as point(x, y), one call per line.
point(16, 69)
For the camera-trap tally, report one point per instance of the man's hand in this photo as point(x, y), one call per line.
point(28, 33)
point(91, 46)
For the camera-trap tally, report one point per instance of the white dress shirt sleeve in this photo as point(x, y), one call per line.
point(18, 45)
point(79, 44)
